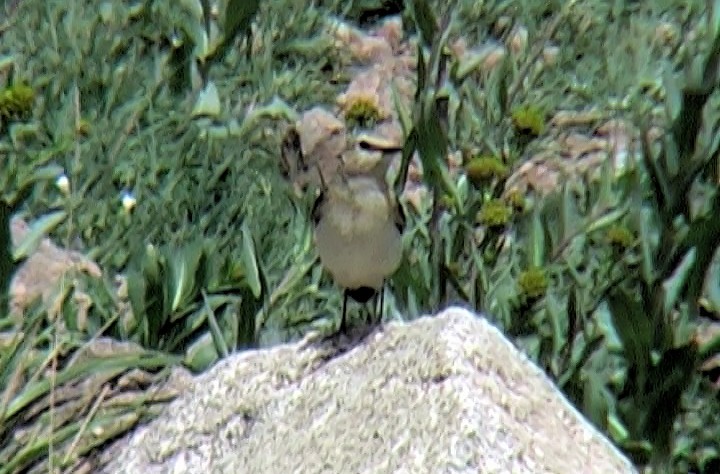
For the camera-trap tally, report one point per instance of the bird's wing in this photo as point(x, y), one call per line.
point(317, 210)
point(292, 161)
point(398, 216)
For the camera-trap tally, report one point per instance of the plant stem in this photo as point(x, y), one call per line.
point(7, 265)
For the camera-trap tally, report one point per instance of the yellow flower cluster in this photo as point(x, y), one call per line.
point(16, 101)
point(533, 283)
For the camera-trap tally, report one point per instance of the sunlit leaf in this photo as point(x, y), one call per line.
point(208, 102)
point(536, 241)
point(250, 262)
point(617, 430)
point(184, 267)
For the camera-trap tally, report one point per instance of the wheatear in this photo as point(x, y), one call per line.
point(357, 220)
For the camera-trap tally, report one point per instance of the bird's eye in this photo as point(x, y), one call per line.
point(365, 145)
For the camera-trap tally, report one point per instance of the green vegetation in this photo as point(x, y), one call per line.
point(166, 118)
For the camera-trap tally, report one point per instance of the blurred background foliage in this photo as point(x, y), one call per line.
point(165, 119)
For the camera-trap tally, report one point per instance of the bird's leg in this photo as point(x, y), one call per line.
point(381, 310)
point(344, 312)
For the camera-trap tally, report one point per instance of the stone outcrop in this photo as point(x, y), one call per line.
point(441, 394)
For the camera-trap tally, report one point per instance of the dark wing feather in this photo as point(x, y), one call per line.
point(399, 216)
point(292, 160)
point(316, 212)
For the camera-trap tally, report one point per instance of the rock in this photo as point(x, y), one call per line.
point(42, 272)
point(441, 394)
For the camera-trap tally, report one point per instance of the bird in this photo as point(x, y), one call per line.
point(358, 223)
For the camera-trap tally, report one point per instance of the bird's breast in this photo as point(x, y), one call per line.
point(358, 241)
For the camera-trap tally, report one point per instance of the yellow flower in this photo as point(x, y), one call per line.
point(83, 127)
point(516, 200)
point(494, 213)
point(363, 110)
point(529, 119)
point(620, 237)
point(484, 168)
point(533, 283)
point(16, 101)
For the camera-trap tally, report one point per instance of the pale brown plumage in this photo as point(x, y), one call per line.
point(358, 223)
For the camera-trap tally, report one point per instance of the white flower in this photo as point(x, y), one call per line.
point(63, 184)
point(128, 201)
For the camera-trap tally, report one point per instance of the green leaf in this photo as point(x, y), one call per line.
point(595, 403)
point(184, 266)
point(671, 376)
point(44, 173)
point(148, 294)
point(250, 262)
point(648, 259)
point(673, 95)
point(402, 110)
point(38, 230)
point(580, 358)
point(569, 219)
point(136, 289)
point(201, 354)
point(536, 240)
point(674, 285)
point(238, 17)
point(558, 322)
point(606, 219)
point(712, 287)
point(180, 63)
point(702, 235)
point(247, 318)
point(633, 327)
point(421, 74)
point(425, 21)
point(617, 429)
point(409, 148)
point(215, 331)
point(709, 349)
point(14, 359)
point(208, 102)
point(115, 364)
